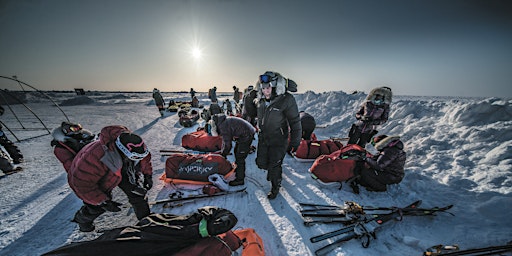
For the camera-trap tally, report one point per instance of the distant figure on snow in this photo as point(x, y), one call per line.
point(373, 112)
point(159, 101)
point(192, 93)
point(386, 167)
point(228, 107)
point(117, 158)
point(212, 94)
point(68, 139)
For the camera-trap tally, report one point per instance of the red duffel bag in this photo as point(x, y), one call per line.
point(201, 141)
point(197, 167)
point(338, 166)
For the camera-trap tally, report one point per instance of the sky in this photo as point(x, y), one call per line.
point(423, 48)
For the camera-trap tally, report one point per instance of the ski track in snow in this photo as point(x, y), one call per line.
point(459, 152)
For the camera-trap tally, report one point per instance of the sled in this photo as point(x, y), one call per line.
point(201, 141)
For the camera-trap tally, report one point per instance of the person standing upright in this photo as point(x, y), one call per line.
point(159, 101)
point(278, 119)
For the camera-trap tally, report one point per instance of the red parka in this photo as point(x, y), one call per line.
point(96, 169)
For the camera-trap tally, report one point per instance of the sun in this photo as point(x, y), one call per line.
point(196, 53)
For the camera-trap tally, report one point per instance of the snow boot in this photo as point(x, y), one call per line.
point(275, 190)
point(83, 226)
point(237, 182)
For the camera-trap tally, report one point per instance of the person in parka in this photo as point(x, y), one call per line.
point(117, 158)
point(278, 119)
point(68, 139)
point(308, 125)
point(373, 112)
point(386, 167)
point(249, 111)
point(159, 101)
point(234, 129)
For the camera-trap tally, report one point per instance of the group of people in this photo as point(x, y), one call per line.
point(117, 157)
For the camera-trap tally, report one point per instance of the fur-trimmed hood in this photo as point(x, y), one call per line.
point(280, 88)
point(58, 134)
point(389, 141)
point(384, 91)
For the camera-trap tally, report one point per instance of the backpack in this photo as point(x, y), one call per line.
point(201, 141)
point(251, 242)
point(182, 168)
point(291, 86)
point(338, 166)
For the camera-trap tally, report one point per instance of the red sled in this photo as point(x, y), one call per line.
point(338, 166)
point(201, 141)
point(195, 169)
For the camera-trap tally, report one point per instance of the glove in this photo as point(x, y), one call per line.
point(148, 182)
point(111, 206)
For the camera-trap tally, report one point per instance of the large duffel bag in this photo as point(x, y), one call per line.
point(196, 167)
point(201, 141)
point(338, 166)
point(311, 149)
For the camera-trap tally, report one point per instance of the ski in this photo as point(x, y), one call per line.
point(438, 251)
point(170, 152)
point(341, 213)
point(169, 201)
point(309, 221)
point(13, 171)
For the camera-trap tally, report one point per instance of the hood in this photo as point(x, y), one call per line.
point(109, 134)
point(280, 88)
point(384, 90)
point(59, 135)
point(387, 142)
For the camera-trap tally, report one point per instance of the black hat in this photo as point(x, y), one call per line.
point(132, 146)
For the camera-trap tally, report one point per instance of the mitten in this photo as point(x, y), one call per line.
point(148, 182)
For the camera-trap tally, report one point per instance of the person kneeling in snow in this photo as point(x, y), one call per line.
point(387, 167)
point(68, 140)
point(118, 158)
point(234, 129)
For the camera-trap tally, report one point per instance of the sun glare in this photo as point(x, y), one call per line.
point(196, 53)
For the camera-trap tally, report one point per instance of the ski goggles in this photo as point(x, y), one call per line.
point(72, 129)
point(134, 156)
point(268, 77)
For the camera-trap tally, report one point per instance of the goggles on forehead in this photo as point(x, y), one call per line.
point(72, 129)
point(268, 77)
point(134, 156)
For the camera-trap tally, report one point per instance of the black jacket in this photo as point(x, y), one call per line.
point(279, 119)
point(233, 128)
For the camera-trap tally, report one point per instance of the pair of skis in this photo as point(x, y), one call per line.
point(170, 152)
point(440, 250)
point(363, 226)
point(175, 200)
